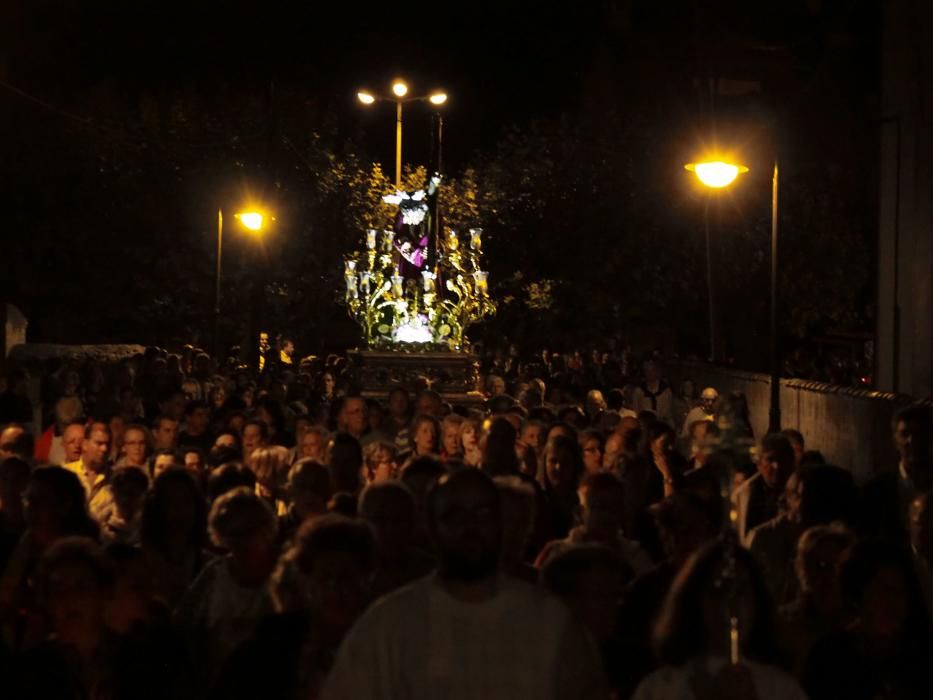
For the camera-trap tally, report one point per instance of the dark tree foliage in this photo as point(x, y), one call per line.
point(117, 160)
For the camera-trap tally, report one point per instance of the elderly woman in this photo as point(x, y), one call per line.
point(425, 436)
point(451, 447)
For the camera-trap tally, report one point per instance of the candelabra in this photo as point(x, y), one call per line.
point(403, 307)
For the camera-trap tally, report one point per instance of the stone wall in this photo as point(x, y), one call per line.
point(851, 427)
point(34, 355)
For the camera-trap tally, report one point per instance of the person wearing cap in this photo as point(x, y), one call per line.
point(706, 411)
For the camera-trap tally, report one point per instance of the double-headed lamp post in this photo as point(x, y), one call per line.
point(719, 173)
point(400, 97)
point(252, 221)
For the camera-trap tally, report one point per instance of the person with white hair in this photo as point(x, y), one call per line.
point(706, 411)
point(50, 447)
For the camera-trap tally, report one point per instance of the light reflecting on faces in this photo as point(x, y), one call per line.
point(451, 435)
point(469, 437)
point(354, 416)
point(193, 461)
point(384, 467)
point(612, 452)
point(162, 464)
point(72, 440)
point(592, 456)
point(166, 434)
point(769, 467)
point(96, 448)
point(425, 437)
point(225, 440)
point(312, 446)
point(252, 438)
point(134, 447)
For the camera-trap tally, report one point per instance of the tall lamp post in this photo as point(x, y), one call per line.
point(718, 174)
point(252, 221)
point(400, 97)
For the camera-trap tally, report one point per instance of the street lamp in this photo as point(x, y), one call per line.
point(399, 97)
point(253, 221)
point(717, 174)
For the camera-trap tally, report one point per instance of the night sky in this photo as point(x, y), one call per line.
point(501, 62)
point(82, 72)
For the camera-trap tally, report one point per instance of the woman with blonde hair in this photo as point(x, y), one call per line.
point(380, 461)
point(270, 464)
point(471, 434)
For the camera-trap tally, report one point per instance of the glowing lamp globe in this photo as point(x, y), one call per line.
point(438, 98)
point(399, 88)
point(716, 174)
point(251, 220)
point(365, 97)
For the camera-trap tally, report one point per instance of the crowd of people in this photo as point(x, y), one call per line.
point(174, 527)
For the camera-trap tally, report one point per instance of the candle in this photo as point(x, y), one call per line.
point(476, 239)
point(365, 277)
point(352, 292)
point(428, 277)
point(481, 278)
point(350, 267)
point(452, 241)
point(397, 285)
point(371, 238)
point(734, 639)
point(388, 238)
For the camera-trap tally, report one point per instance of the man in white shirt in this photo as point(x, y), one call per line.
point(467, 631)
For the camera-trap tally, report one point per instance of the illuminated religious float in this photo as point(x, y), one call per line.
point(414, 294)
